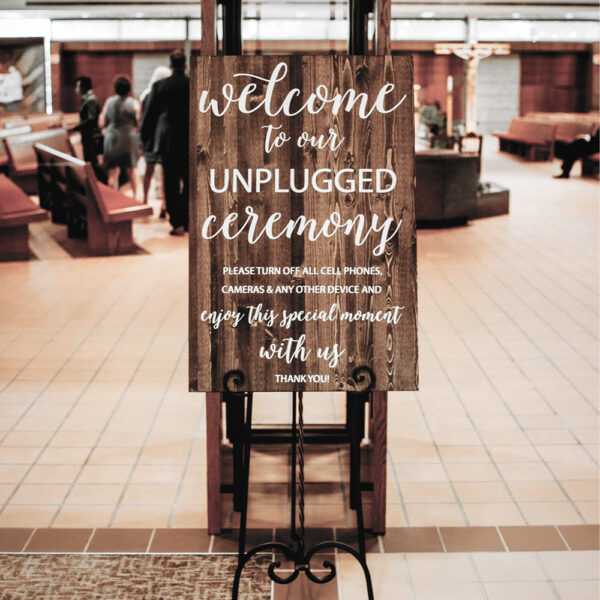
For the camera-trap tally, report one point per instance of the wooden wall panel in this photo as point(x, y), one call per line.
point(102, 67)
point(554, 82)
point(431, 73)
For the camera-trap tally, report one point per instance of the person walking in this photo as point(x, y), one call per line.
point(152, 152)
point(89, 113)
point(171, 97)
point(121, 139)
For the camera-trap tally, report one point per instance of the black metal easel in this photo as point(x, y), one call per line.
point(239, 408)
point(241, 403)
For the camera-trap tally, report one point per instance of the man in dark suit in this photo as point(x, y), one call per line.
point(171, 97)
point(88, 120)
point(583, 145)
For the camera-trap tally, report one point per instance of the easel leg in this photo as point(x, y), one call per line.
point(246, 435)
point(379, 460)
point(213, 462)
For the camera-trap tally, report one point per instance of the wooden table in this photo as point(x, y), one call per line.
point(446, 187)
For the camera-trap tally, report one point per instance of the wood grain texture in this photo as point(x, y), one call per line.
point(383, 15)
point(380, 141)
point(209, 30)
point(378, 464)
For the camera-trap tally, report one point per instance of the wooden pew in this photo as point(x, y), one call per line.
point(70, 120)
point(590, 166)
point(76, 144)
point(22, 159)
point(4, 133)
point(108, 214)
point(52, 188)
point(16, 212)
point(568, 126)
point(9, 120)
point(567, 131)
point(528, 138)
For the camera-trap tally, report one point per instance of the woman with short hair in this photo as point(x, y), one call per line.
point(121, 139)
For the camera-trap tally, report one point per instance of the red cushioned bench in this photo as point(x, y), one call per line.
point(531, 139)
point(16, 212)
point(103, 214)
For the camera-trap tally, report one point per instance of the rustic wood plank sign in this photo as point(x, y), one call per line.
point(302, 232)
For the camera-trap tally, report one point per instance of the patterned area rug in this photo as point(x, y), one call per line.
point(129, 577)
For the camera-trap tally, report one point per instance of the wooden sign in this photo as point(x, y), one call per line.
point(302, 232)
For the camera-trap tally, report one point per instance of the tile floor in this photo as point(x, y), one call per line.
point(97, 428)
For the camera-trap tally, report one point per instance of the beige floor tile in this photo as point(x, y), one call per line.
point(464, 454)
point(157, 474)
point(190, 516)
point(142, 516)
point(501, 437)
point(542, 513)
point(141, 494)
point(40, 494)
point(35, 439)
point(543, 491)
point(416, 492)
point(448, 591)
point(590, 511)
point(575, 471)
point(357, 591)
point(100, 474)
point(92, 494)
point(114, 456)
point(13, 473)
point(526, 471)
point(63, 456)
point(44, 474)
point(492, 513)
point(472, 472)
point(509, 567)
point(578, 590)
point(441, 568)
point(113, 439)
point(427, 515)
point(194, 474)
point(420, 472)
point(414, 454)
point(18, 456)
point(84, 516)
point(195, 493)
point(571, 566)
point(27, 515)
point(6, 489)
point(535, 590)
point(395, 516)
point(391, 568)
point(542, 437)
point(508, 454)
point(563, 453)
point(481, 492)
point(69, 439)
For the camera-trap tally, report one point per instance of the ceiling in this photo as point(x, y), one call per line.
point(302, 9)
